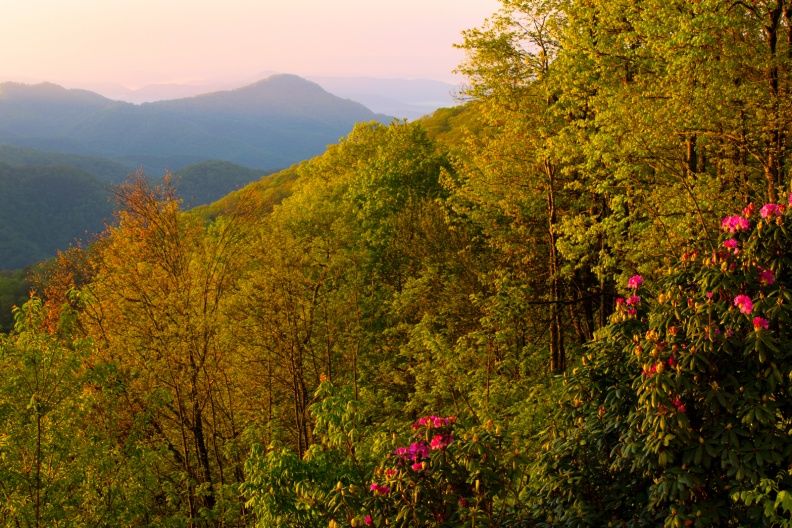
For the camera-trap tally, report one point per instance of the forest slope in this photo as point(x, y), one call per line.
point(45, 208)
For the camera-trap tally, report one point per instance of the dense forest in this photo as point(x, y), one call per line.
point(562, 304)
point(46, 207)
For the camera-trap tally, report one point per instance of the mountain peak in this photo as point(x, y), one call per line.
point(284, 83)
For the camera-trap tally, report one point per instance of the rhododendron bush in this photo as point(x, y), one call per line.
point(681, 413)
point(360, 474)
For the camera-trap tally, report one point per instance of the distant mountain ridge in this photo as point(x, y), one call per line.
point(401, 98)
point(269, 124)
point(100, 168)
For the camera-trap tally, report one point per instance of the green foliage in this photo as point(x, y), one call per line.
point(40, 390)
point(55, 467)
point(285, 490)
point(452, 127)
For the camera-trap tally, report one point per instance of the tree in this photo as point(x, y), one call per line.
point(156, 309)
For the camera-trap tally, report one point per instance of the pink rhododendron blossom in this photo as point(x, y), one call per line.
point(735, 223)
point(414, 453)
point(731, 243)
point(671, 361)
point(441, 441)
point(790, 199)
point(434, 421)
point(744, 303)
point(633, 300)
point(368, 520)
point(766, 277)
point(678, 404)
point(709, 295)
point(635, 282)
point(381, 490)
point(391, 472)
point(418, 466)
point(770, 210)
point(760, 323)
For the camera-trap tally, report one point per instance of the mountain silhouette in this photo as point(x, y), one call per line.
point(269, 124)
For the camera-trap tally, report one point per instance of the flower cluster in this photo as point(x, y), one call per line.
point(379, 489)
point(678, 404)
point(629, 304)
point(766, 277)
point(433, 421)
point(635, 282)
point(760, 323)
point(733, 245)
point(770, 210)
point(735, 223)
point(441, 441)
point(415, 452)
point(744, 303)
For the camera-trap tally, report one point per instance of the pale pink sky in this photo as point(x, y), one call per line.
point(150, 41)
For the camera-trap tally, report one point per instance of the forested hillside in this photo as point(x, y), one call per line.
point(100, 168)
point(206, 182)
point(565, 304)
point(44, 208)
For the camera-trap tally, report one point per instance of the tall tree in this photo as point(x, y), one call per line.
point(155, 308)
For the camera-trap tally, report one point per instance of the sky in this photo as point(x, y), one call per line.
point(140, 42)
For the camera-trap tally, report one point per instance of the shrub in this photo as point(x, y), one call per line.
point(681, 412)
